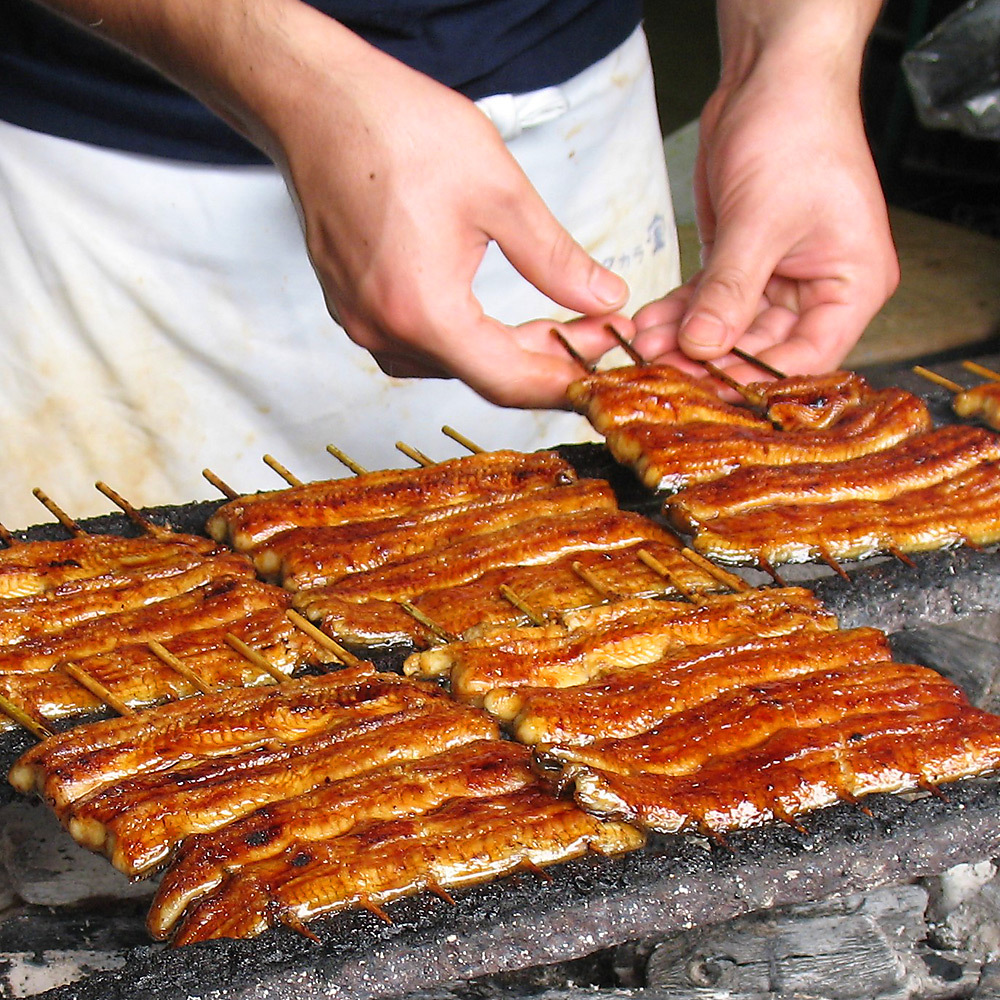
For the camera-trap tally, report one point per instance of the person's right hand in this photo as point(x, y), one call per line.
point(401, 184)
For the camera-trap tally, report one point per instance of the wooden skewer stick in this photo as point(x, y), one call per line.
point(289, 477)
point(326, 641)
point(418, 456)
point(57, 512)
point(528, 865)
point(832, 563)
point(135, 516)
point(901, 556)
point(945, 383)
point(462, 440)
point(762, 365)
point(162, 653)
point(96, 688)
point(255, 657)
point(366, 903)
point(751, 398)
point(438, 631)
point(730, 580)
point(295, 923)
point(224, 488)
point(573, 353)
point(6, 537)
point(441, 892)
point(346, 460)
point(771, 571)
point(978, 369)
point(627, 346)
point(660, 570)
point(590, 579)
point(510, 595)
point(17, 714)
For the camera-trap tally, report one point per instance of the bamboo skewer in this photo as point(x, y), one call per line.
point(136, 516)
point(255, 657)
point(438, 631)
point(588, 368)
point(764, 565)
point(289, 477)
point(660, 570)
point(346, 460)
point(762, 365)
point(590, 579)
point(627, 346)
point(418, 456)
point(462, 440)
point(226, 490)
point(6, 537)
point(57, 512)
point(96, 688)
point(162, 653)
point(751, 398)
point(326, 641)
point(730, 580)
point(511, 596)
point(17, 714)
point(978, 369)
point(945, 383)
point(832, 563)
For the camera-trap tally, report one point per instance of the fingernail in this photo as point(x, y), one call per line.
point(703, 330)
point(607, 287)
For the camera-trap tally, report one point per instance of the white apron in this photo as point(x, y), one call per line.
point(159, 317)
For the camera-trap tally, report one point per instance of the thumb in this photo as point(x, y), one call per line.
point(725, 301)
point(545, 254)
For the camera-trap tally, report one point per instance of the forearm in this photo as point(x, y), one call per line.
point(245, 59)
point(817, 37)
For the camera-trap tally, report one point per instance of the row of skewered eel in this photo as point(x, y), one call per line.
point(576, 679)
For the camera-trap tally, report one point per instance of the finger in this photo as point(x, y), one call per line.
point(546, 255)
point(658, 323)
point(728, 296)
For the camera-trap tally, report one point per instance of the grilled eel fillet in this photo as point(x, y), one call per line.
point(632, 701)
point(671, 457)
point(813, 402)
point(137, 822)
point(959, 510)
point(467, 840)
point(797, 770)
point(981, 401)
point(121, 590)
point(223, 600)
point(477, 667)
point(382, 792)
point(546, 587)
point(309, 557)
point(917, 462)
point(654, 394)
point(71, 765)
point(138, 678)
point(248, 521)
point(38, 567)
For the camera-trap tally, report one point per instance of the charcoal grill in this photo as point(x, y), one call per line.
point(591, 903)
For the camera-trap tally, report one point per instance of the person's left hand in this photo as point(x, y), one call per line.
point(798, 256)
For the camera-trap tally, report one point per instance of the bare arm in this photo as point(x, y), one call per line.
point(797, 256)
point(400, 184)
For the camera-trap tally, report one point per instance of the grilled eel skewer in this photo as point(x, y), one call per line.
point(39, 567)
point(625, 703)
point(476, 667)
point(544, 587)
point(912, 464)
point(138, 821)
point(466, 840)
point(981, 402)
point(121, 590)
point(952, 512)
point(797, 770)
point(137, 677)
point(311, 557)
point(223, 600)
point(671, 457)
point(71, 765)
point(248, 521)
point(411, 788)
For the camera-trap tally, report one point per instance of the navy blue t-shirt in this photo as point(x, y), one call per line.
point(58, 79)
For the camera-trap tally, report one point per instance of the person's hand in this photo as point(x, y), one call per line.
point(401, 184)
point(798, 256)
